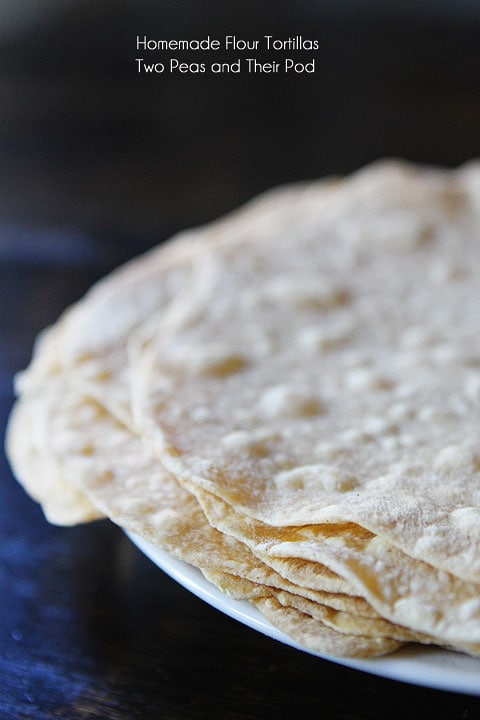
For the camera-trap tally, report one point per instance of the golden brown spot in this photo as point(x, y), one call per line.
point(224, 366)
point(87, 450)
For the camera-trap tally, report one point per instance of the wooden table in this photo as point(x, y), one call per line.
point(98, 165)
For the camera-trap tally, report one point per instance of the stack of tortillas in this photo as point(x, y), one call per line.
point(288, 399)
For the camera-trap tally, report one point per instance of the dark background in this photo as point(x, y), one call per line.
point(99, 163)
point(89, 143)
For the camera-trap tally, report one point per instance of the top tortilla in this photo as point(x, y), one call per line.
point(327, 368)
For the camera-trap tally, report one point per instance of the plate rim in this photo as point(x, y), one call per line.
point(423, 666)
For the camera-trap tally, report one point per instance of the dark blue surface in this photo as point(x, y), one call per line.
point(96, 166)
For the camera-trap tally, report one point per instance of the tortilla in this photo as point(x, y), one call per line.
point(313, 635)
point(62, 503)
point(91, 450)
point(288, 399)
point(401, 589)
point(74, 439)
point(329, 372)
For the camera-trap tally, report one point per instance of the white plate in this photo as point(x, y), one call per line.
point(430, 667)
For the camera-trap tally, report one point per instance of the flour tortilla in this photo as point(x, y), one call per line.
point(91, 338)
point(233, 353)
point(401, 589)
point(90, 341)
point(330, 372)
point(62, 502)
point(121, 476)
point(75, 440)
point(104, 459)
point(313, 635)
